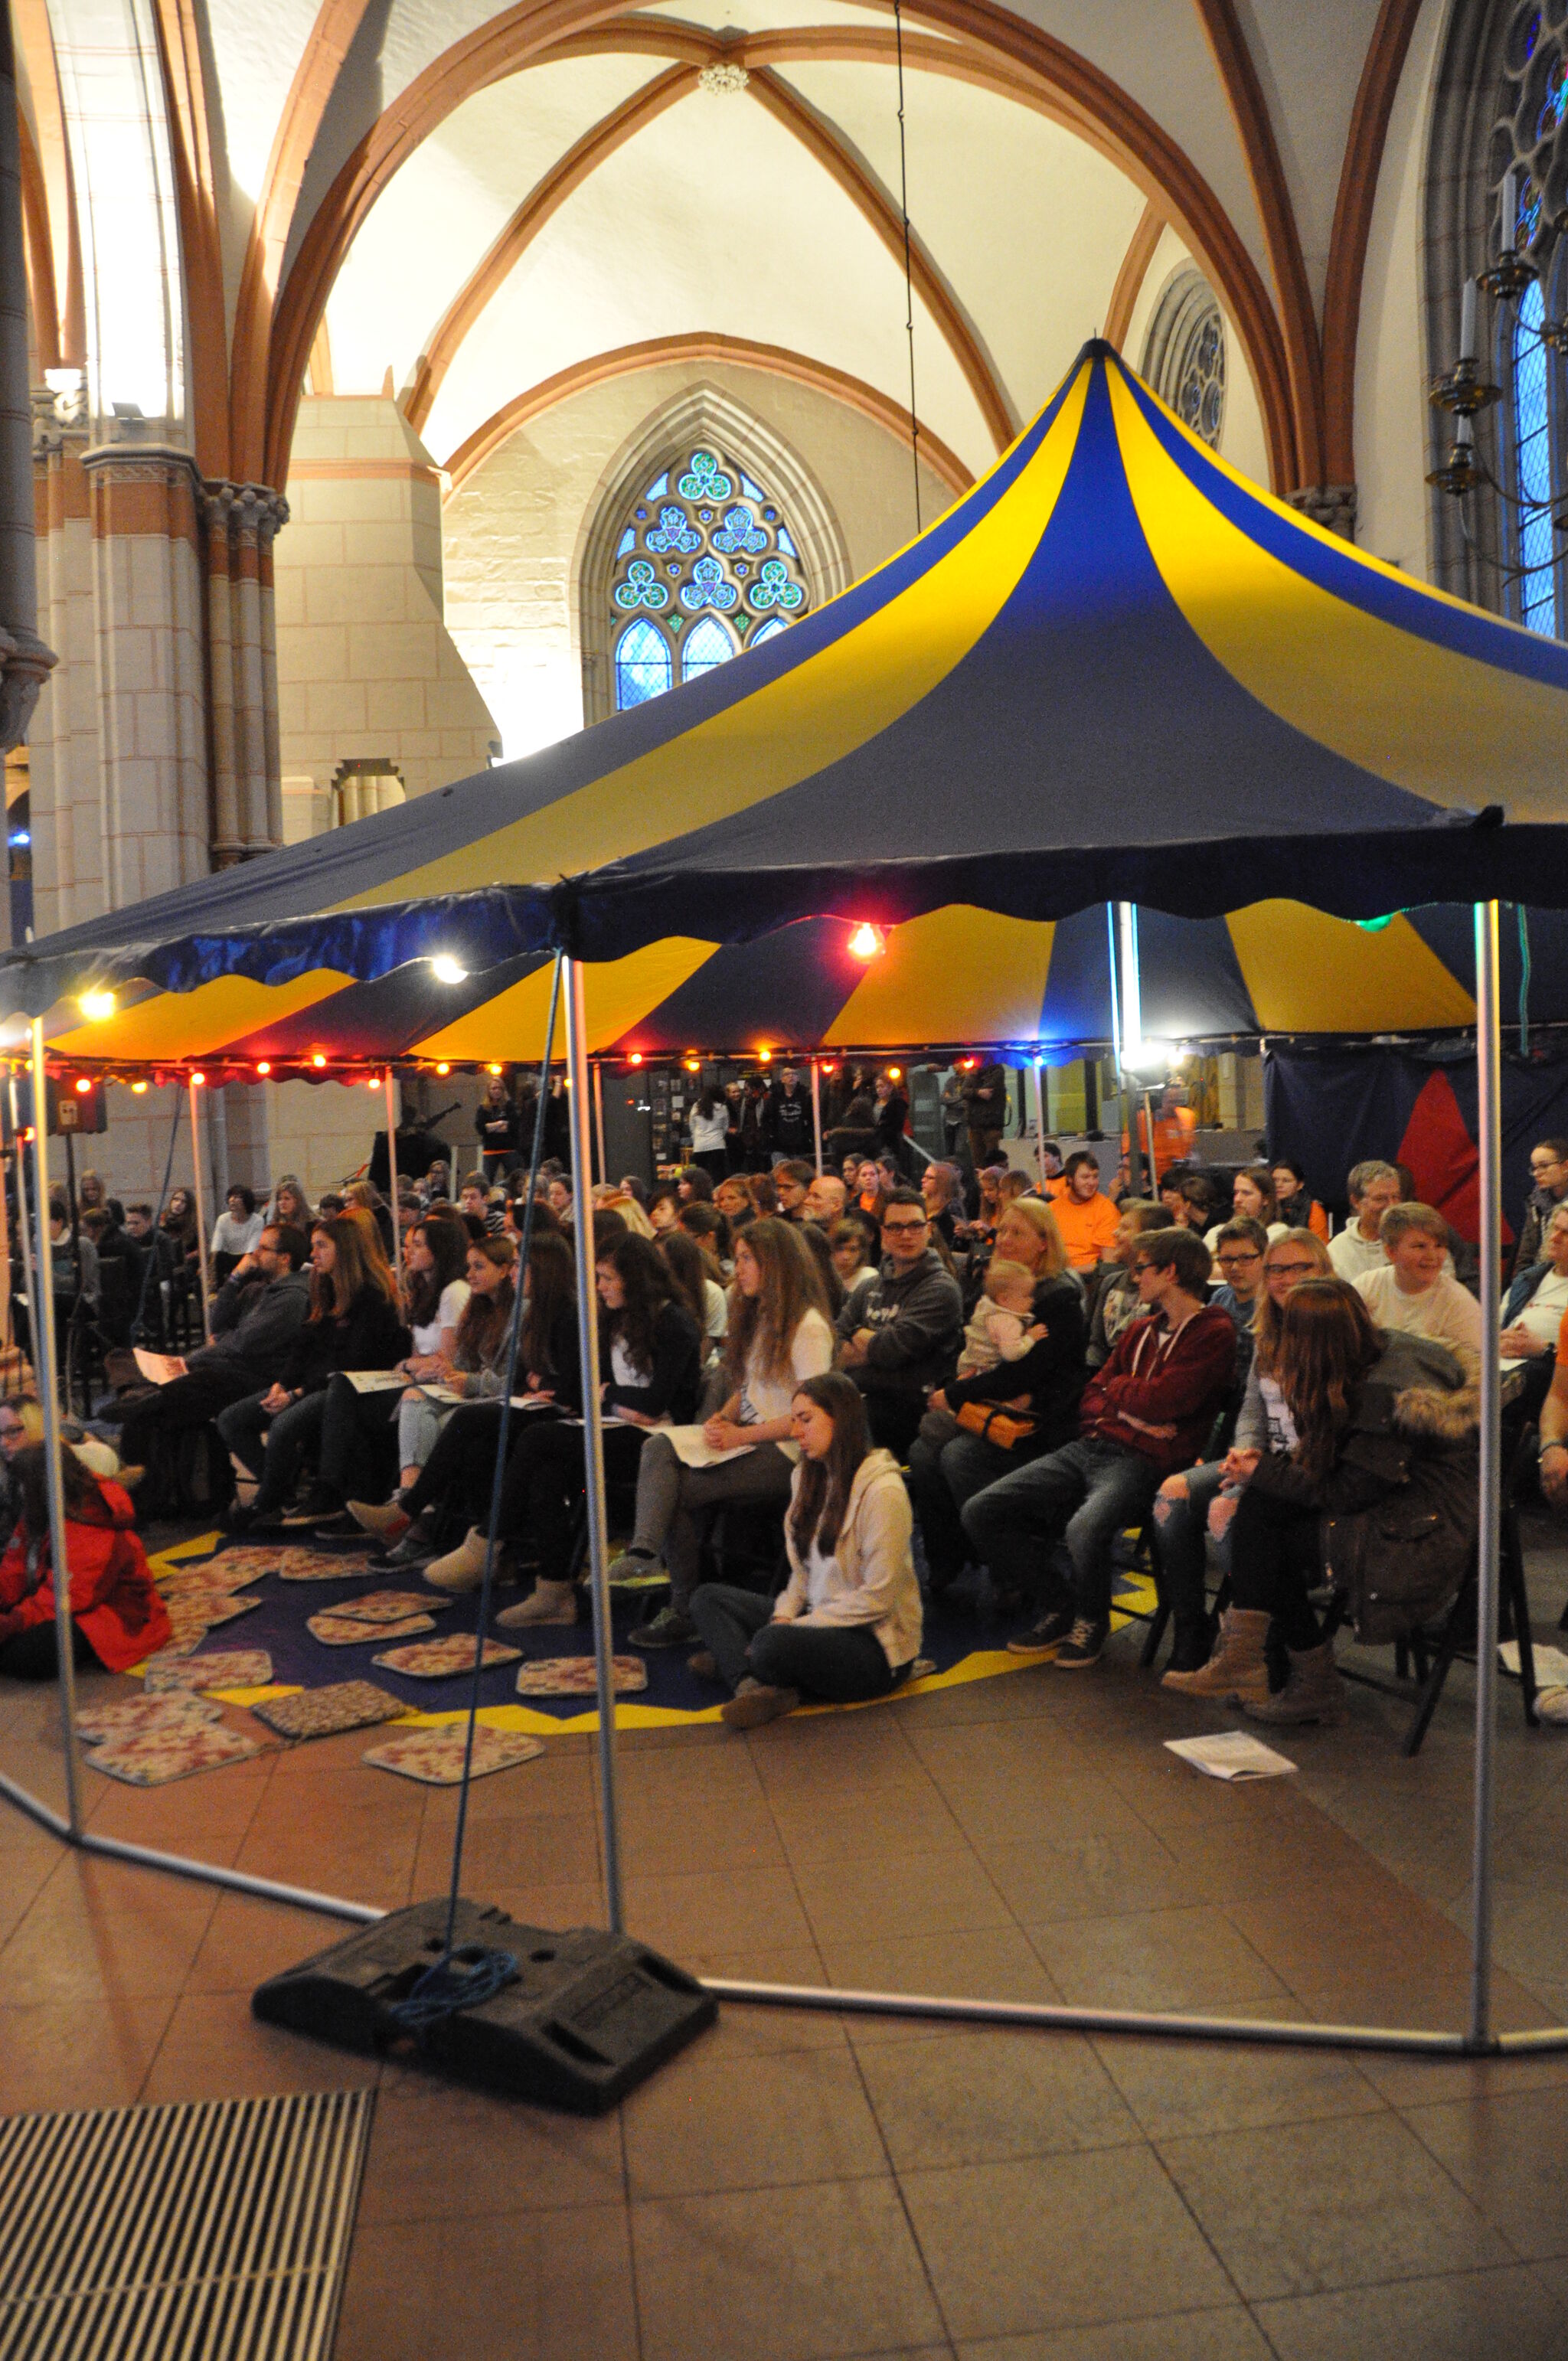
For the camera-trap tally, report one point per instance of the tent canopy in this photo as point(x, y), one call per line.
point(1114, 669)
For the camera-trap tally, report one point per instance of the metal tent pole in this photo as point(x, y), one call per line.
point(194, 1086)
point(599, 1116)
point(593, 1431)
point(1128, 1023)
point(816, 1111)
point(1489, 1060)
point(1039, 1123)
point(392, 1174)
point(49, 1395)
point(28, 1289)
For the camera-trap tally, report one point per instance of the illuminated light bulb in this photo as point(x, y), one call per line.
point(447, 970)
point(264, 1065)
point(896, 1073)
point(492, 1069)
point(82, 1084)
point(694, 1065)
point(764, 1057)
point(373, 1083)
point(866, 942)
point(138, 1089)
point(636, 1058)
point(317, 1059)
point(97, 1006)
point(198, 1079)
point(443, 1068)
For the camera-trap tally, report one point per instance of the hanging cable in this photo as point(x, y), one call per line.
point(1524, 981)
point(908, 274)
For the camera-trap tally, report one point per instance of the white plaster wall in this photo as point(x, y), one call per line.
point(1242, 438)
point(1392, 428)
point(512, 531)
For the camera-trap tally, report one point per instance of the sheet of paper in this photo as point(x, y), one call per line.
point(692, 1448)
point(1550, 1664)
point(375, 1381)
point(160, 1368)
point(1231, 1754)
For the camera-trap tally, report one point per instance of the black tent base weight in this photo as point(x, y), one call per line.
point(586, 2018)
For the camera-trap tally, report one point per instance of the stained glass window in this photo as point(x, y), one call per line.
point(706, 566)
point(1532, 461)
point(1530, 139)
point(1184, 354)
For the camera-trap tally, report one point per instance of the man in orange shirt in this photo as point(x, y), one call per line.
point(1086, 1218)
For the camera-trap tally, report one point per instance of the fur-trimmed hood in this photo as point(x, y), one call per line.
point(1425, 1390)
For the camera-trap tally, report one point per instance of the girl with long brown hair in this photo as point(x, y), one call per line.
point(847, 1624)
point(778, 1333)
point(1384, 1462)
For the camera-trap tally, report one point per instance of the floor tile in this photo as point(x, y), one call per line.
point(920, 1894)
point(1181, 2088)
point(494, 2286)
point(717, 1910)
point(659, 1839)
point(1461, 2317)
point(64, 2056)
point(1507, 2152)
point(699, 2126)
point(1228, 2335)
point(247, 1942)
point(803, 2275)
point(1304, 2207)
point(509, 2158)
point(531, 1849)
point(213, 2048)
point(978, 2095)
point(1017, 2247)
point(1093, 1876)
point(988, 1963)
point(1157, 1959)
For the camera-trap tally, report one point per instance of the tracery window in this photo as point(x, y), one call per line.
point(1530, 139)
point(704, 567)
point(1184, 354)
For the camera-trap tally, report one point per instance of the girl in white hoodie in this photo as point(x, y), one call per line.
point(847, 1623)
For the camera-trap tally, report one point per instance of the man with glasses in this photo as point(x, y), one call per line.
point(1238, 1256)
point(1549, 1187)
point(900, 1331)
point(1146, 1414)
point(1372, 1188)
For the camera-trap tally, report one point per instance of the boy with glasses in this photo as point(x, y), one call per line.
point(899, 1333)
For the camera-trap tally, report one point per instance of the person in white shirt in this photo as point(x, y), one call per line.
point(709, 1122)
point(1372, 1188)
point(236, 1230)
point(1413, 1292)
point(778, 1333)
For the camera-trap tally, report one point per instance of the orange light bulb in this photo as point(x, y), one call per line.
point(443, 1068)
point(317, 1059)
point(263, 1066)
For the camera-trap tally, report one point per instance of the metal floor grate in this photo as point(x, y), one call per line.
point(216, 2232)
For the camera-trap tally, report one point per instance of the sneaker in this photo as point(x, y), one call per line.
point(634, 1566)
point(753, 1704)
point(1085, 1646)
point(312, 1510)
point(668, 1629)
point(416, 1548)
point(1047, 1635)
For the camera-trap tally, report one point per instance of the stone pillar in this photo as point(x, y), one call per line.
point(242, 646)
point(62, 744)
point(1328, 504)
point(24, 660)
point(228, 842)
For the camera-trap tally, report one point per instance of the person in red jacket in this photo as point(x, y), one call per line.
point(118, 1615)
point(1147, 1413)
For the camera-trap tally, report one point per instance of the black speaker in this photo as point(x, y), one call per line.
point(585, 2019)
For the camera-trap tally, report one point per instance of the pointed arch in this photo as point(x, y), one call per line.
point(1134, 268)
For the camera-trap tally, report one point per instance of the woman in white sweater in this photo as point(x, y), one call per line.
point(846, 1625)
point(778, 1333)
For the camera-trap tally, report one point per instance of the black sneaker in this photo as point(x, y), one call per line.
point(1085, 1644)
point(1047, 1635)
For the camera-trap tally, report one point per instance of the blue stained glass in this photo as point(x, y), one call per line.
point(740, 532)
point(768, 631)
point(704, 480)
point(1531, 35)
point(1532, 455)
point(674, 532)
point(640, 590)
point(1528, 215)
point(642, 665)
point(656, 491)
point(784, 543)
point(707, 645)
point(773, 588)
point(752, 491)
point(627, 542)
point(1556, 105)
point(708, 588)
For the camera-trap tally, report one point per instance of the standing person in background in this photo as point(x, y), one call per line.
point(788, 1133)
point(891, 1121)
point(499, 1129)
point(1549, 1187)
point(711, 1132)
point(1298, 1209)
point(984, 1093)
point(953, 1114)
point(1372, 1188)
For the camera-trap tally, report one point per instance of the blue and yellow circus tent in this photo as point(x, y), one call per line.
point(1114, 669)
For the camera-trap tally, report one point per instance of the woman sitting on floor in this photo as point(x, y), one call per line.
point(353, 1325)
point(847, 1624)
point(117, 1617)
point(1384, 1456)
point(778, 1334)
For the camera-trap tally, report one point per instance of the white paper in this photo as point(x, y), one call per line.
point(693, 1449)
point(1231, 1754)
point(1550, 1665)
point(375, 1381)
point(160, 1368)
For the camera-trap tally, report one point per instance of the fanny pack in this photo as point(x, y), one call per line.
point(1005, 1428)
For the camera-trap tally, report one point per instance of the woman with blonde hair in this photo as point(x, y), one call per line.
point(363, 1196)
point(621, 1201)
point(779, 1332)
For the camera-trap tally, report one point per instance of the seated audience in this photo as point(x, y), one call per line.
point(1117, 1303)
point(1549, 1187)
point(475, 1203)
point(1298, 1209)
point(1532, 1319)
point(1145, 1414)
point(899, 1332)
point(851, 1244)
point(236, 1230)
point(1085, 1216)
point(847, 1623)
point(1372, 1188)
point(117, 1617)
point(290, 1208)
point(942, 1186)
point(1413, 1292)
point(1384, 1443)
point(664, 1207)
point(1252, 1199)
point(709, 1230)
point(702, 1295)
point(778, 1335)
point(825, 1200)
point(791, 1179)
point(1238, 1257)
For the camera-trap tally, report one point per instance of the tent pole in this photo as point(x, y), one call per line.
point(28, 1289)
point(47, 1376)
point(193, 1085)
point(392, 1175)
point(599, 1116)
point(1040, 1124)
point(816, 1111)
point(593, 1431)
point(1489, 1060)
point(1129, 1022)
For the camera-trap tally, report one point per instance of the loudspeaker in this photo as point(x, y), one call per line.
point(586, 2018)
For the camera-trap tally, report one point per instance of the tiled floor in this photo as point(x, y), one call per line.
point(797, 2185)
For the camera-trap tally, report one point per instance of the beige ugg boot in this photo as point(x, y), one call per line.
point(1313, 1692)
point(547, 1603)
point(461, 1568)
point(1238, 1669)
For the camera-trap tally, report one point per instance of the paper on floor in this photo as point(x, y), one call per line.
point(1231, 1754)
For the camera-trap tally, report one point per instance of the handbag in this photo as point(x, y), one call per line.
point(992, 1423)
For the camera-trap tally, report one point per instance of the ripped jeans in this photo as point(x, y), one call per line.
point(1182, 1508)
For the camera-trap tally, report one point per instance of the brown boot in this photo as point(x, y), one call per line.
point(1238, 1669)
point(1313, 1692)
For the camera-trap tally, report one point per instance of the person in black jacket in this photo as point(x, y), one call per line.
point(949, 1463)
point(788, 1132)
point(899, 1333)
point(353, 1325)
point(499, 1129)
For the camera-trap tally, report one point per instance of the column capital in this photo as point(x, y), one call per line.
point(245, 509)
point(1333, 505)
point(27, 663)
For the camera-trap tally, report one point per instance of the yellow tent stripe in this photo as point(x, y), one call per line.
point(1442, 725)
point(823, 710)
point(1307, 973)
point(957, 974)
point(616, 994)
point(197, 1023)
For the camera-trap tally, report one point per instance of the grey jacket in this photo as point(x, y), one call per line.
point(252, 1322)
point(918, 1319)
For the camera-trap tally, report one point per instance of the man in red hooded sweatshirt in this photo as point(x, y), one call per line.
point(1145, 1414)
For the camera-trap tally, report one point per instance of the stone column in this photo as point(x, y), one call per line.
point(25, 659)
point(1328, 504)
point(242, 653)
point(228, 840)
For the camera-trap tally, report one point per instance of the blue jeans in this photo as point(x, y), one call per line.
point(272, 1447)
point(942, 1477)
point(841, 1663)
point(1180, 1530)
point(1086, 1493)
